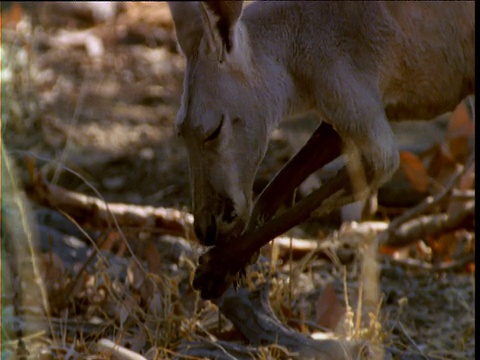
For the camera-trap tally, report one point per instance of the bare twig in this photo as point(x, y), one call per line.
point(429, 225)
point(89, 260)
point(253, 316)
point(428, 203)
point(37, 179)
point(410, 338)
point(463, 195)
point(453, 265)
point(91, 211)
point(116, 351)
point(218, 267)
point(295, 171)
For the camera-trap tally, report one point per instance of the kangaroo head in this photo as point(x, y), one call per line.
point(223, 114)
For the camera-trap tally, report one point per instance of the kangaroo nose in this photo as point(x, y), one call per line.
point(206, 230)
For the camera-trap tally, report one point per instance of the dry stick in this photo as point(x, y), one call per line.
point(163, 219)
point(410, 338)
point(431, 225)
point(305, 162)
point(200, 348)
point(96, 246)
point(222, 350)
point(38, 180)
point(97, 213)
point(116, 351)
point(444, 266)
point(177, 354)
point(220, 264)
point(428, 203)
point(252, 314)
point(463, 195)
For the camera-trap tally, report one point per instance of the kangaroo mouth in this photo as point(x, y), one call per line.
point(220, 226)
point(229, 231)
point(229, 215)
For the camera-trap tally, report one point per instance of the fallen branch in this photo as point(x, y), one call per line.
point(218, 349)
point(115, 351)
point(95, 213)
point(219, 266)
point(430, 225)
point(455, 264)
point(428, 203)
point(306, 161)
point(253, 316)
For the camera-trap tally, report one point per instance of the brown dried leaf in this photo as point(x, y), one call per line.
point(415, 171)
point(387, 250)
point(12, 16)
point(30, 166)
point(460, 122)
point(444, 245)
point(112, 239)
point(153, 258)
point(441, 163)
point(329, 309)
point(396, 252)
point(467, 181)
point(470, 267)
point(288, 313)
point(52, 268)
point(460, 132)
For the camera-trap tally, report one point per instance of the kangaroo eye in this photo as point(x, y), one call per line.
point(215, 132)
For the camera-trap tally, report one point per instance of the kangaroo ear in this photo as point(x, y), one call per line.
point(187, 19)
point(220, 19)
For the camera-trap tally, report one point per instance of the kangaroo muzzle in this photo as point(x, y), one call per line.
point(214, 227)
point(205, 228)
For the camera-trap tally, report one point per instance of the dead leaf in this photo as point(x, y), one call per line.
point(30, 166)
point(415, 171)
point(387, 250)
point(441, 163)
point(467, 181)
point(153, 258)
point(112, 239)
point(156, 306)
point(52, 268)
point(470, 267)
point(135, 275)
point(460, 132)
point(12, 16)
point(443, 246)
point(288, 313)
point(139, 340)
point(329, 309)
point(460, 122)
point(123, 313)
